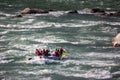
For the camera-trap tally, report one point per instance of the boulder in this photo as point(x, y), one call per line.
point(25, 11)
point(116, 41)
point(33, 11)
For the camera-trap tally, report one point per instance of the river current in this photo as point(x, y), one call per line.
point(86, 37)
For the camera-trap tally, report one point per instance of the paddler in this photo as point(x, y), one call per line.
point(38, 53)
point(47, 52)
point(56, 52)
point(61, 51)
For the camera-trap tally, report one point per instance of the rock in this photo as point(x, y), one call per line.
point(73, 12)
point(109, 14)
point(116, 41)
point(25, 11)
point(117, 13)
point(112, 13)
point(33, 11)
point(19, 15)
point(97, 10)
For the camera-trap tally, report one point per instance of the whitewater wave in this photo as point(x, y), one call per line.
point(102, 55)
point(43, 24)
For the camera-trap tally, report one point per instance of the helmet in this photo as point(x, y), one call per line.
point(56, 49)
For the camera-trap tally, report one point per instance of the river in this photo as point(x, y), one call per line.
point(86, 37)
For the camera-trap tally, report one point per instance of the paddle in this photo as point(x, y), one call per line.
point(64, 55)
point(29, 58)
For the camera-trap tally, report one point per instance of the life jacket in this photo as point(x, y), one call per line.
point(43, 52)
point(56, 53)
point(60, 51)
point(47, 53)
point(37, 52)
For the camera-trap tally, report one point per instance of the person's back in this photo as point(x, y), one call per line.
point(60, 51)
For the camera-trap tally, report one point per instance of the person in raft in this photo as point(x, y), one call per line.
point(61, 51)
point(38, 53)
point(58, 52)
point(43, 52)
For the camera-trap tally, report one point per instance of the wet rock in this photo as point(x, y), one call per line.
point(117, 13)
point(73, 12)
point(25, 11)
point(19, 15)
point(109, 14)
point(33, 11)
point(116, 41)
point(97, 10)
point(112, 13)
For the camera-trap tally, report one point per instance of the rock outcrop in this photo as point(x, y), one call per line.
point(116, 41)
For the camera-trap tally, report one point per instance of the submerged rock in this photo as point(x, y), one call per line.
point(116, 41)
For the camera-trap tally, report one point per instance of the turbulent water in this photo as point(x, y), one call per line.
point(87, 38)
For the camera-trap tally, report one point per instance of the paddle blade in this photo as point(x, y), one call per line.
point(63, 56)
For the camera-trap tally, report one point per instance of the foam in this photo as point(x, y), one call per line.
point(27, 21)
point(40, 72)
point(93, 63)
point(51, 39)
point(57, 13)
point(102, 55)
point(6, 61)
point(43, 24)
point(4, 32)
point(82, 42)
point(98, 74)
point(92, 73)
point(116, 73)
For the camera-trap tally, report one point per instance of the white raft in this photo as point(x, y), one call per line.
point(44, 60)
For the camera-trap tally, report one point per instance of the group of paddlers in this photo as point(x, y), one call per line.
point(46, 52)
